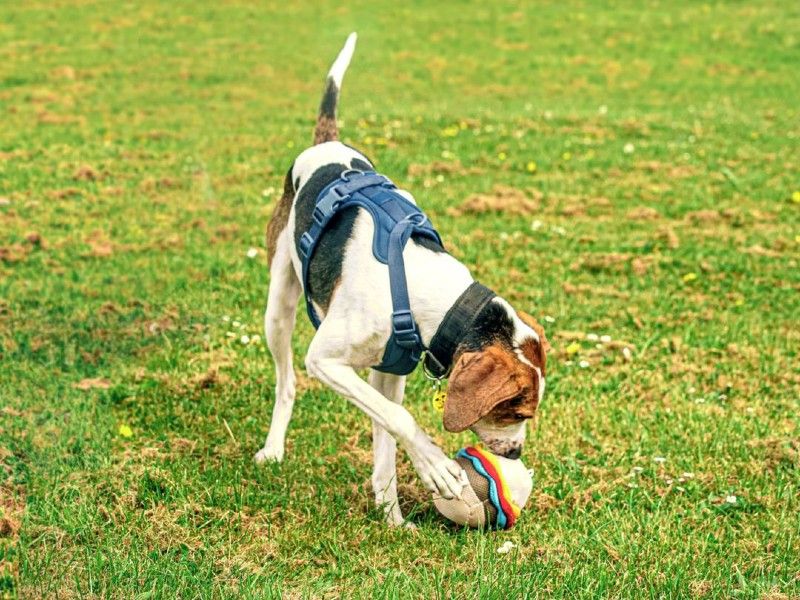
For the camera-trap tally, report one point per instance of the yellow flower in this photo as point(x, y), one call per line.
point(796, 197)
point(502, 156)
point(531, 166)
point(689, 277)
point(566, 155)
point(573, 348)
point(451, 131)
point(125, 431)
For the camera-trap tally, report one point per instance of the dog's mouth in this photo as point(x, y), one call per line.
point(504, 448)
point(506, 441)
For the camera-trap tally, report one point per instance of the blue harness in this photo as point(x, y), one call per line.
point(395, 219)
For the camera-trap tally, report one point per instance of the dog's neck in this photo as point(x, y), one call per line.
point(435, 282)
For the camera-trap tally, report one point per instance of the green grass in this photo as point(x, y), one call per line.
point(141, 148)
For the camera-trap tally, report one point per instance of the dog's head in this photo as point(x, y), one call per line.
point(494, 389)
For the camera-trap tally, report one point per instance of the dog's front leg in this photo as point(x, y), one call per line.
point(438, 473)
point(384, 450)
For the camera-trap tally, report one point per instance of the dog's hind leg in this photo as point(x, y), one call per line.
point(384, 449)
point(279, 318)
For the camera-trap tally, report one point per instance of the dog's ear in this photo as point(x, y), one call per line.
point(479, 382)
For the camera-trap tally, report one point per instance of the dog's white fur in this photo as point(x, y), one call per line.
point(353, 335)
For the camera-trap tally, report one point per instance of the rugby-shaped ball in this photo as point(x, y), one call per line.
point(494, 494)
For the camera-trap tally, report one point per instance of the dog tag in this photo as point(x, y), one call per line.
point(439, 395)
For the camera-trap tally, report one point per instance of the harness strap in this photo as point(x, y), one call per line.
point(458, 320)
point(378, 195)
point(404, 326)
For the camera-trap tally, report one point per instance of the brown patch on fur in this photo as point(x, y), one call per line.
point(535, 351)
point(280, 216)
point(326, 130)
point(511, 411)
point(483, 380)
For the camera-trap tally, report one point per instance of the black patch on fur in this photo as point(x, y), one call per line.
point(329, 99)
point(289, 178)
point(361, 165)
point(491, 325)
point(369, 168)
point(325, 268)
point(427, 243)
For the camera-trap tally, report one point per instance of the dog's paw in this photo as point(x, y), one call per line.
point(267, 454)
point(438, 473)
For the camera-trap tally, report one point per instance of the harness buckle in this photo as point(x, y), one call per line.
point(305, 244)
point(405, 330)
point(326, 207)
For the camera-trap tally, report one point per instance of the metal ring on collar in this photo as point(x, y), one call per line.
point(426, 371)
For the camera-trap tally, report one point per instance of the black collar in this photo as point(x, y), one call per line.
point(456, 323)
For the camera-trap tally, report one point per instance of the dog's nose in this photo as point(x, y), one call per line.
point(514, 453)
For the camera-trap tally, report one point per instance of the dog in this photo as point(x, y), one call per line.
point(497, 375)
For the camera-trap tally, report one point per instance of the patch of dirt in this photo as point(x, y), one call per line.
point(210, 378)
point(668, 236)
point(50, 118)
point(502, 199)
point(100, 246)
point(543, 502)
point(703, 216)
point(14, 253)
point(671, 171)
point(643, 213)
point(151, 184)
point(65, 72)
point(226, 232)
point(775, 594)
point(573, 210)
point(759, 250)
point(92, 383)
point(34, 238)
point(778, 452)
point(592, 290)
point(64, 193)
point(12, 507)
point(85, 173)
point(639, 266)
point(613, 261)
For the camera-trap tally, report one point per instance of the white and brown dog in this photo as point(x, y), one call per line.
point(497, 374)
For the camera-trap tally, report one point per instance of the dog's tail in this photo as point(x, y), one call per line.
point(326, 129)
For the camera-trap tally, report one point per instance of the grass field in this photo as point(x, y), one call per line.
point(628, 170)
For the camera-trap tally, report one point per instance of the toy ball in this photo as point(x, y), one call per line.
point(494, 494)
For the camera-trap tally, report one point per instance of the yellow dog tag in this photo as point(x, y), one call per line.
point(439, 395)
